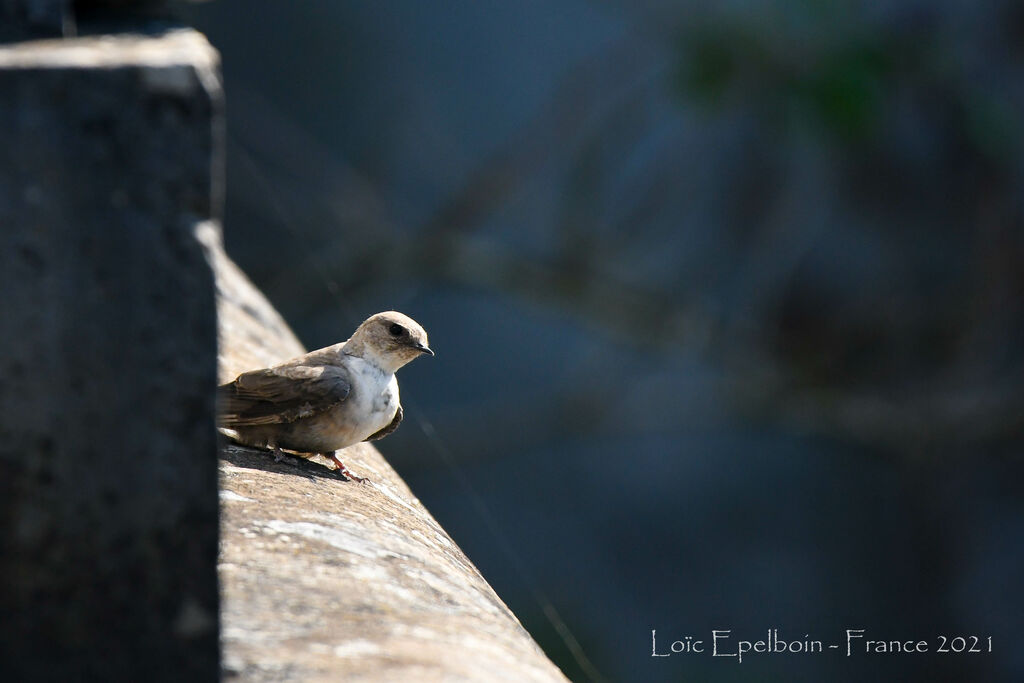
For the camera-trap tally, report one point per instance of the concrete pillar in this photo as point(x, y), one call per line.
point(109, 158)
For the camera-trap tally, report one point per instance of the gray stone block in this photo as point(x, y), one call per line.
point(108, 489)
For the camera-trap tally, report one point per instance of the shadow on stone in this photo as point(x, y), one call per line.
point(258, 459)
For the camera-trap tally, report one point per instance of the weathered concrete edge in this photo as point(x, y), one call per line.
point(322, 578)
point(174, 47)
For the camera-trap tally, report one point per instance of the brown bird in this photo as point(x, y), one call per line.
point(327, 399)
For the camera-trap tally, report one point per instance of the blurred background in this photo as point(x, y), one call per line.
point(727, 299)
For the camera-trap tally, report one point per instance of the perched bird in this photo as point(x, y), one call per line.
point(327, 399)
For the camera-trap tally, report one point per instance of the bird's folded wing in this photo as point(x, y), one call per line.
point(281, 394)
point(392, 426)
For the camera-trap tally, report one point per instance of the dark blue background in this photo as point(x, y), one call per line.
point(728, 303)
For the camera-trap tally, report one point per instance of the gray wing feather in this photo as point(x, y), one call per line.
point(281, 394)
point(392, 426)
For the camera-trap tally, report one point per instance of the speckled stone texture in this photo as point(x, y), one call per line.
point(108, 499)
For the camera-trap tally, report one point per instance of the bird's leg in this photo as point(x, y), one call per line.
point(344, 470)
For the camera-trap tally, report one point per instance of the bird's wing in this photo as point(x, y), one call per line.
point(281, 394)
point(392, 426)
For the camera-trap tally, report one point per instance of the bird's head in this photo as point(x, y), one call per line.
point(389, 340)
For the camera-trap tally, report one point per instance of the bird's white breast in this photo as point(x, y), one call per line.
point(375, 394)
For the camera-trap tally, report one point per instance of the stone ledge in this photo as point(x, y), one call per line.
point(323, 579)
point(175, 46)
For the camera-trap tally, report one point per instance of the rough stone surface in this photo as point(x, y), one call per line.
point(108, 513)
point(325, 580)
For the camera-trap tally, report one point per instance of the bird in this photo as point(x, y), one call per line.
point(327, 399)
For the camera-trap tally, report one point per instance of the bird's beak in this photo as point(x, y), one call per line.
point(424, 349)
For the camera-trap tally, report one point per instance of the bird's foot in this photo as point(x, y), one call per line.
point(279, 456)
point(344, 470)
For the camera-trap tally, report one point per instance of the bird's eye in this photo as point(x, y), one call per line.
point(396, 330)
